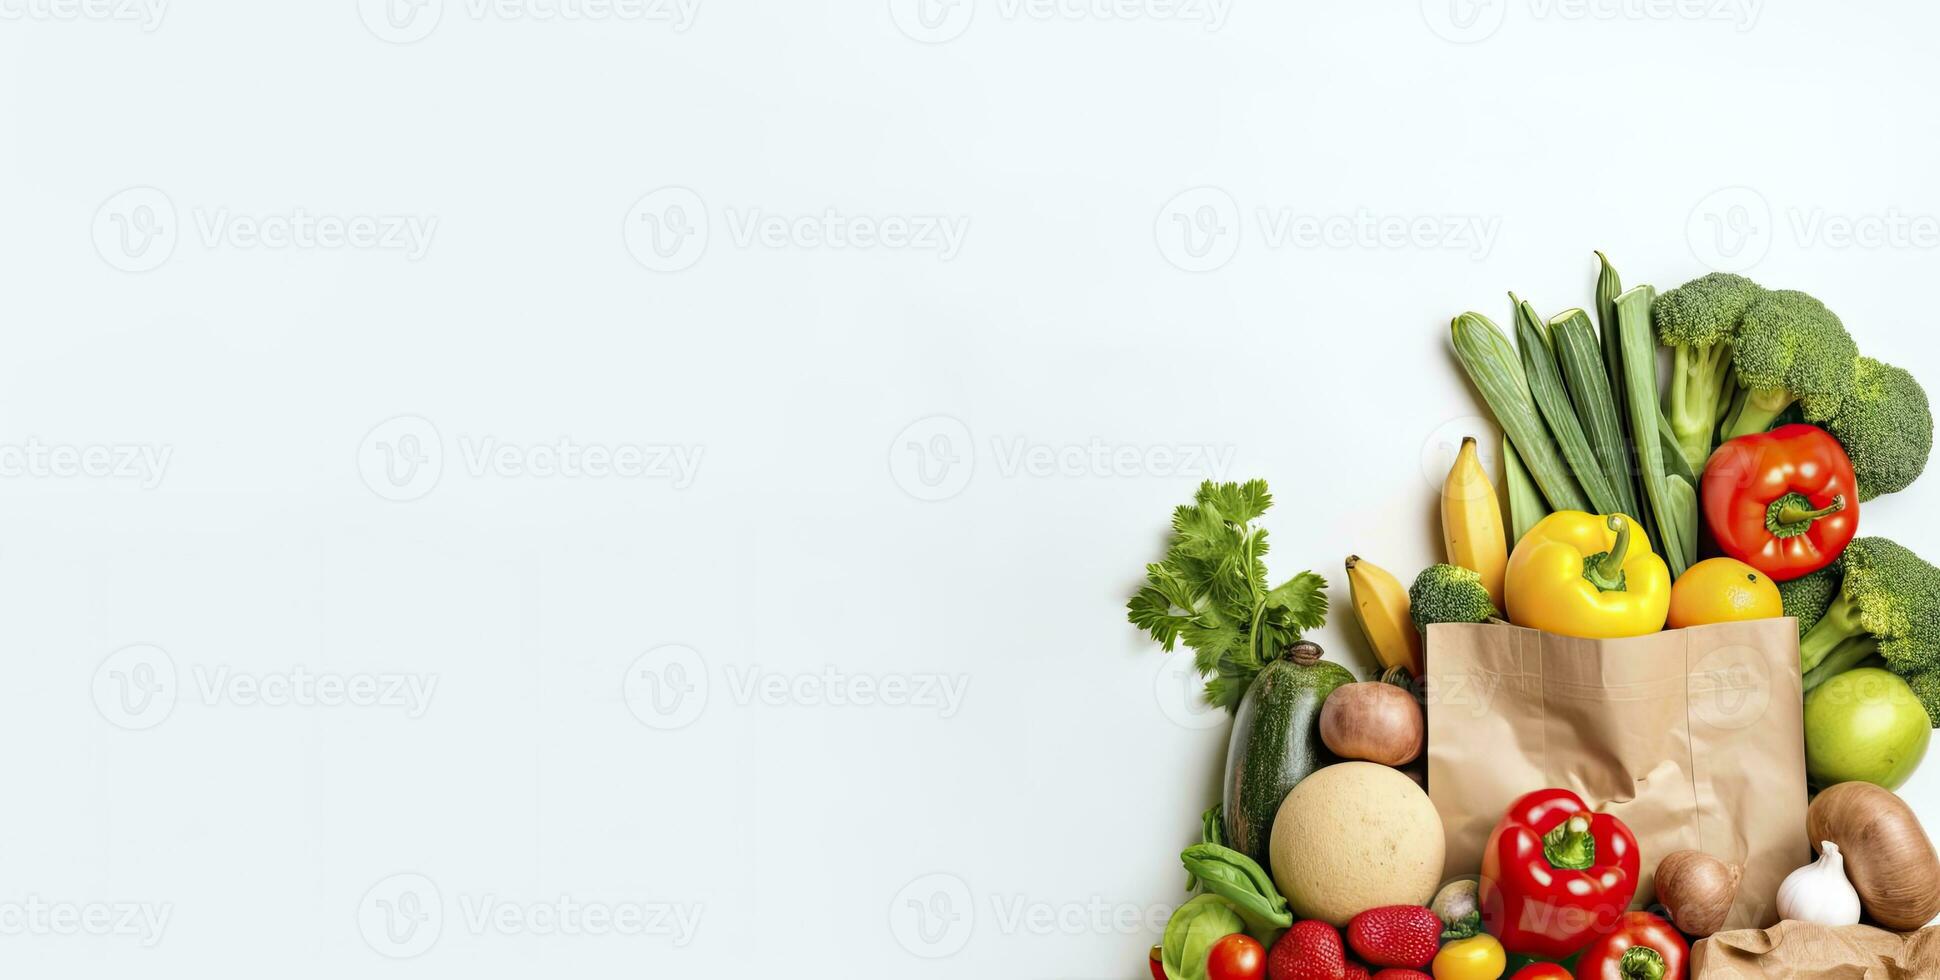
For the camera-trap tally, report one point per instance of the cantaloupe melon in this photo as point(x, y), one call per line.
point(1356, 836)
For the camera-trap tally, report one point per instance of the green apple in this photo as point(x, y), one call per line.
point(1864, 724)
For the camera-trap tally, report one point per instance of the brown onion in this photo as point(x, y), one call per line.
point(1697, 890)
point(1888, 856)
point(1373, 721)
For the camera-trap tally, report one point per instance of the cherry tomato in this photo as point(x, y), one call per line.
point(1236, 957)
point(1158, 967)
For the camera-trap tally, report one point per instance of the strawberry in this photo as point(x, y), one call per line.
point(1401, 973)
point(1396, 935)
point(1355, 971)
point(1311, 950)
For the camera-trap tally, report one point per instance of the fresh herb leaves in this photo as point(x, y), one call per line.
point(1210, 591)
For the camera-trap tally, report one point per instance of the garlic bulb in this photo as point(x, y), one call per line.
point(1819, 892)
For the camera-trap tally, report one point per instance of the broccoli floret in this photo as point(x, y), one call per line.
point(1885, 425)
point(1805, 598)
point(1926, 686)
point(1888, 603)
point(1448, 594)
point(1788, 348)
point(1697, 322)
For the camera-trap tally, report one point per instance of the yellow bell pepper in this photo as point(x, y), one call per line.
point(1479, 957)
point(1587, 575)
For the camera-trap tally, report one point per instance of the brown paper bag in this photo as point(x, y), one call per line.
point(1694, 738)
point(1803, 951)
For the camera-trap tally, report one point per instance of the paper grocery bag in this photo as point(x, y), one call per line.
point(1804, 950)
point(1694, 738)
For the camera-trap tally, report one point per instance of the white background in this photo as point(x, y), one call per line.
point(832, 392)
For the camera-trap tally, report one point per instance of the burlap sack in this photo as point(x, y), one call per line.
point(1694, 738)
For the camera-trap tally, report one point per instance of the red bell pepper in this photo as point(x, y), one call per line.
point(1555, 875)
point(1783, 502)
point(1643, 947)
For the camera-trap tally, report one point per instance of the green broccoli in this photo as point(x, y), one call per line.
point(1448, 594)
point(1888, 603)
point(1789, 348)
point(1885, 425)
point(1805, 598)
point(1697, 322)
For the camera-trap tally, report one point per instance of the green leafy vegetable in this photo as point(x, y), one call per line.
point(1210, 591)
point(1243, 884)
point(1191, 933)
point(1212, 830)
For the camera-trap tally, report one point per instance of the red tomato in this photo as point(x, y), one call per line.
point(1541, 971)
point(1236, 957)
point(1158, 968)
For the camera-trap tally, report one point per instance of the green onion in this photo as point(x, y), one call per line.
point(1492, 365)
point(1640, 395)
point(1596, 408)
point(1526, 505)
point(1546, 387)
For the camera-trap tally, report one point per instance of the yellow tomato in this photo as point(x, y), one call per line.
point(1722, 590)
point(1478, 957)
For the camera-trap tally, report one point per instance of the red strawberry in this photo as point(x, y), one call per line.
point(1401, 973)
point(1355, 971)
point(1396, 935)
point(1311, 950)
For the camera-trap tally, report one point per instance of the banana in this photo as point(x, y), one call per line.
point(1472, 521)
point(1381, 607)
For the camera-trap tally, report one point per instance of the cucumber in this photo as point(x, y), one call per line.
point(1276, 743)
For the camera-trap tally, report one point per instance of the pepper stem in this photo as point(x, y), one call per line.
point(1570, 847)
point(1605, 569)
point(1641, 963)
point(1792, 515)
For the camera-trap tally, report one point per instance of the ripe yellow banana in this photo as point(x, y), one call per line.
point(1381, 607)
point(1472, 521)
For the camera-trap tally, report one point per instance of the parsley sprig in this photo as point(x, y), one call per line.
point(1210, 591)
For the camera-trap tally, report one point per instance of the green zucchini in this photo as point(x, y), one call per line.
point(1276, 743)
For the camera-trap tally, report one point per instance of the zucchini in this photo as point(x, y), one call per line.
point(1276, 743)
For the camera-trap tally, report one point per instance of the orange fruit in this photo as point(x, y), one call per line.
point(1722, 590)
